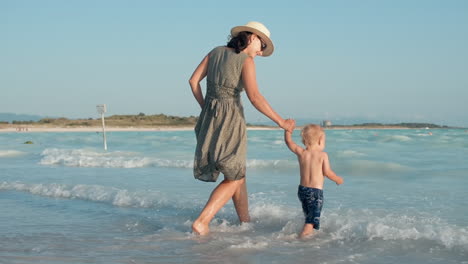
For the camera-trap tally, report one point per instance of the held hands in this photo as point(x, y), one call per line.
point(289, 125)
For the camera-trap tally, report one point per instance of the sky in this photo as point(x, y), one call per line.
point(376, 60)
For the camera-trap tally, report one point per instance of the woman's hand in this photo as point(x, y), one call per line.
point(288, 124)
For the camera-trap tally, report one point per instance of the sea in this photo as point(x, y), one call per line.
point(64, 199)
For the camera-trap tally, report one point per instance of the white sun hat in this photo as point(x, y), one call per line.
point(260, 30)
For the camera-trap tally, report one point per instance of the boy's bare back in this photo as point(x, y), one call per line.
point(313, 161)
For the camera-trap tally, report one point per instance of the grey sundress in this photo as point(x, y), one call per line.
point(221, 130)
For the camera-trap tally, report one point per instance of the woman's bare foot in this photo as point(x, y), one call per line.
point(200, 228)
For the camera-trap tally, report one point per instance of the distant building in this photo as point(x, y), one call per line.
point(326, 123)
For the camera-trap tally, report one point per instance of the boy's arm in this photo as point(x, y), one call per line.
point(290, 143)
point(327, 171)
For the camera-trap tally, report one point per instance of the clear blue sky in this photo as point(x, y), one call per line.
point(395, 60)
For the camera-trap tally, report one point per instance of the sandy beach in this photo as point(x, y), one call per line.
point(30, 129)
point(26, 129)
point(34, 128)
point(88, 129)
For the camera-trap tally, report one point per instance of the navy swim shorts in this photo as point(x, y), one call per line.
point(312, 201)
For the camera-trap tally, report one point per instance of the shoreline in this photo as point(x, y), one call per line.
point(34, 129)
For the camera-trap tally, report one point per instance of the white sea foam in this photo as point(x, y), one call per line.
point(96, 193)
point(423, 134)
point(270, 164)
point(278, 142)
point(250, 245)
point(398, 138)
point(119, 159)
point(353, 225)
point(349, 154)
point(397, 228)
point(274, 223)
point(358, 224)
point(11, 153)
point(224, 226)
point(369, 166)
point(270, 213)
point(116, 159)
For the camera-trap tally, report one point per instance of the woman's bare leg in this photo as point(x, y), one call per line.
point(219, 197)
point(241, 202)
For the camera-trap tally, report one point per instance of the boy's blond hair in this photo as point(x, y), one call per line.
point(311, 133)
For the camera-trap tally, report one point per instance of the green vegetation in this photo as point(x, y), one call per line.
point(22, 122)
point(258, 125)
point(149, 120)
point(140, 120)
point(143, 120)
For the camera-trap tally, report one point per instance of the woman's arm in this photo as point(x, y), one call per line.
point(198, 75)
point(257, 99)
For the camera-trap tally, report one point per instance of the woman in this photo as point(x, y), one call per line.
point(221, 130)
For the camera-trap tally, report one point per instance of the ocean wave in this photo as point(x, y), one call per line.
point(352, 225)
point(397, 138)
point(225, 226)
point(269, 213)
point(11, 153)
point(423, 134)
point(119, 159)
point(249, 244)
point(278, 142)
point(271, 164)
point(349, 154)
point(273, 222)
point(95, 193)
point(368, 167)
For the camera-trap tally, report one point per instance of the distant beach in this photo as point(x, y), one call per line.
point(39, 128)
point(162, 122)
point(25, 129)
point(34, 128)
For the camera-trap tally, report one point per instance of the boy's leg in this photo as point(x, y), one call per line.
point(241, 202)
point(219, 197)
point(307, 230)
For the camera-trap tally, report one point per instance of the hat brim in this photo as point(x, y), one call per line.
point(270, 47)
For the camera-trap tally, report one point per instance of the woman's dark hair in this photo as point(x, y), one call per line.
point(239, 42)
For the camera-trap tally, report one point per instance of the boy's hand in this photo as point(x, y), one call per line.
point(288, 136)
point(339, 180)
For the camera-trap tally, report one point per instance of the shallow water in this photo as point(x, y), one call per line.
point(65, 200)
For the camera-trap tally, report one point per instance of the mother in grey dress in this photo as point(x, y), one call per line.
point(221, 130)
